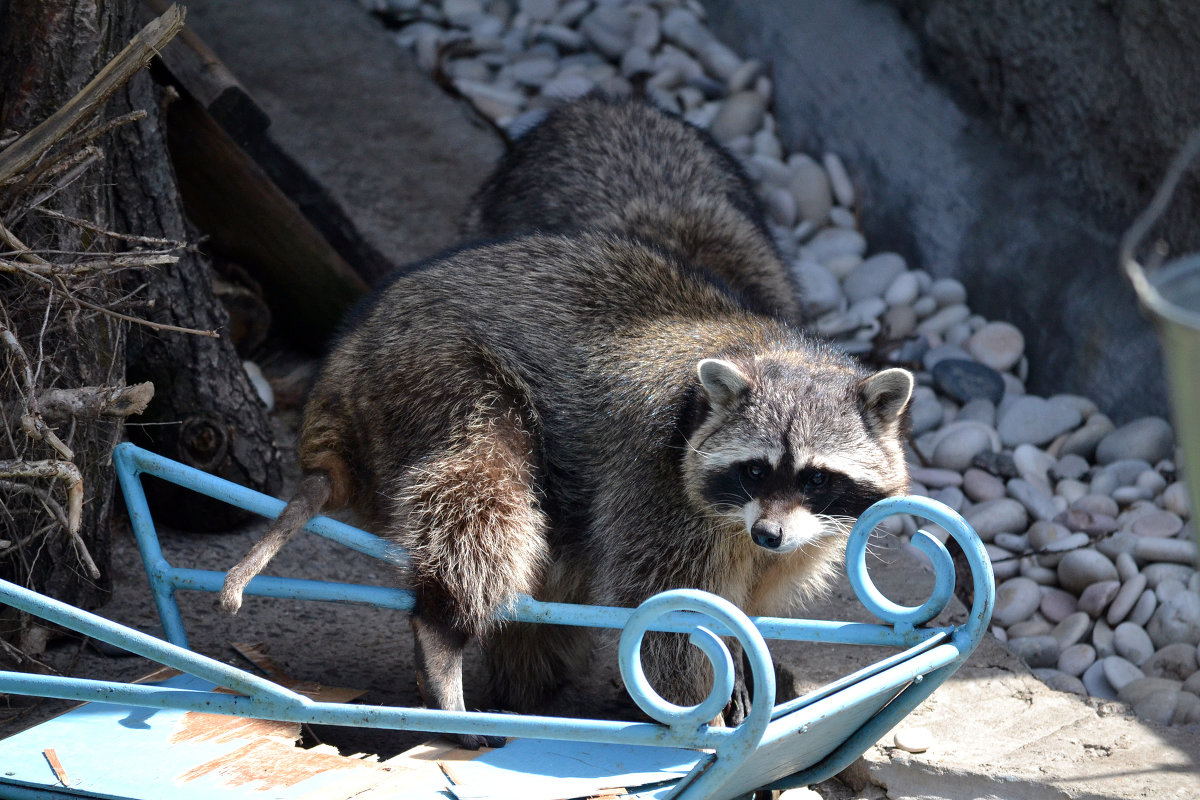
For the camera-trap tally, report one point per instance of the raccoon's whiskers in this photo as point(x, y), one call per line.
point(689, 447)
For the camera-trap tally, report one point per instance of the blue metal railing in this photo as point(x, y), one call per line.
point(894, 685)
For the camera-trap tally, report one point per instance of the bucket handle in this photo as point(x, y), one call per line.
point(1143, 222)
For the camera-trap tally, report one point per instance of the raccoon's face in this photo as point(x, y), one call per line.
point(795, 452)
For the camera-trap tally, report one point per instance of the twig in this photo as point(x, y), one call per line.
point(1051, 550)
point(63, 471)
point(36, 428)
point(98, 129)
point(23, 252)
point(31, 421)
point(20, 155)
point(96, 401)
point(52, 505)
point(158, 326)
point(68, 473)
point(46, 169)
point(122, 261)
point(70, 170)
point(20, 657)
point(125, 237)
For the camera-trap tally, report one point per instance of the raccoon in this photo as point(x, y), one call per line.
point(587, 418)
point(626, 165)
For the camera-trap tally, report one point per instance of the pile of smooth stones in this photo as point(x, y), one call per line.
point(1087, 524)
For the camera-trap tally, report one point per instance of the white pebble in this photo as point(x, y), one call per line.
point(943, 318)
point(839, 180)
point(1016, 600)
point(1118, 671)
point(781, 206)
point(1178, 551)
point(1097, 684)
point(997, 344)
point(820, 289)
point(958, 443)
point(924, 306)
point(1033, 463)
point(869, 278)
point(1176, 620)
point(936, 478)
point(1132, 643)
point(1102, 639)
point(913, 740)
point(831, 243)
point(903, 291)
point(1144, 608)
point(741, 115)
point(1033, 420)
point(1126, 598)
point(948, 292)
point(1075, 660)
point(843, 217)
point(1176, 500)
point(1081, 568)
point(980, 486)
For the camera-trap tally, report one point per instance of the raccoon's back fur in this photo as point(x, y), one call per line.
point(587, 419)
point(627, 166)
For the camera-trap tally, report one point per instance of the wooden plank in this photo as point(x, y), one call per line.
point(199, 70)
point(567, 770)
point(308, 286)
point(146, 754)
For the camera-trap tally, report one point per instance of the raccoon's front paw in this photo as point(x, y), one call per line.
point(739, 704)
point(474, 741)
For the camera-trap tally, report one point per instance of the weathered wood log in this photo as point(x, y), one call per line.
point(306, 283)
point(229, 172)
point(206, 412)
point(50, 50)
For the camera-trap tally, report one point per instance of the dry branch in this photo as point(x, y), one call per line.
point(96, 401)
point(69, 474)
point(137, 54)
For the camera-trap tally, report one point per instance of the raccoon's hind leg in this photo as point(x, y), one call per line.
point(532, 665)
point(471, 521)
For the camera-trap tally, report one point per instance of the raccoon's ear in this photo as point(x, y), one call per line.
point(886, 393)
point(723, 382)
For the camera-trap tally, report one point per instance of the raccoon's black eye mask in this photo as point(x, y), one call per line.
point(741, 482)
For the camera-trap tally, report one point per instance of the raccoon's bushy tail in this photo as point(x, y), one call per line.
point(311, 495)
point(473, 525)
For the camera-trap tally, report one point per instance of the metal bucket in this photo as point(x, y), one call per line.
point(1170, 294)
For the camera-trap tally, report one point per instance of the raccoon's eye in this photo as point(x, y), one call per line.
point(754, 470)
point(816, 480)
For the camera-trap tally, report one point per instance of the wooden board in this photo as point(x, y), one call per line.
point(100, 750)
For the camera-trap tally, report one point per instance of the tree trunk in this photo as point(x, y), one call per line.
point(205, 411)
point(51, 49)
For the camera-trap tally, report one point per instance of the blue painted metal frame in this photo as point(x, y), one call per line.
point(857, 709)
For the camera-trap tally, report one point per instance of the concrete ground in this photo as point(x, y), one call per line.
point(997, 731)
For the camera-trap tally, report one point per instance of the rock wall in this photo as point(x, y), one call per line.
point(1008, 145)
point(1103, 91)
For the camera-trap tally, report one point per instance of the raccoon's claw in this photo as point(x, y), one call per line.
point(739, 703)
point(474, 741)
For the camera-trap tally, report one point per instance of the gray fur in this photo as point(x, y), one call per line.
point(528, 416)
point(576, 413)
point(627, 166)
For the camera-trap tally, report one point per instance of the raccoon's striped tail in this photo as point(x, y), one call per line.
point(311, 495)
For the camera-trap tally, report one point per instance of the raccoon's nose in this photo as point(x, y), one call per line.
point(766, 533)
